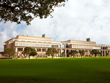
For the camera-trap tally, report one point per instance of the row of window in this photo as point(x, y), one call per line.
point(86, 47)
point(36, 45)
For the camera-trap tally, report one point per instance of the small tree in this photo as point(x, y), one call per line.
point(62, 54)
point(51, 51)
point(27, 51)
point(106, 54)
point(73, 52)
point(81, 52)
point(33, 53)
point(9, 52)
point(95, 52)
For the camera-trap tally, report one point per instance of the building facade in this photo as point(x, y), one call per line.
point(41, 44)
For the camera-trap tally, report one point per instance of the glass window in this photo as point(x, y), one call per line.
point(16, 44)
point(59, 46)
point(20, 44)
point(35, 44)
point(41, 45)
point(38, 45)
point(26, 44)
point(23, 44)
point(29, 44)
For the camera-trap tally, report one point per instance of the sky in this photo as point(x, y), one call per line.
point(78, 20)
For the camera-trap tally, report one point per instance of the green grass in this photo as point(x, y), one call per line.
point(66, 70)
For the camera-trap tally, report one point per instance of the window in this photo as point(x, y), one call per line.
point(38, 50)
point(29, 44)
point(62, 46)
point(23, 44)
point(35, 44)
point(26, 44)
point(20, 49)
point(54, 45)
point(47, 45)
point(43, 45)
point(59, 46)
point(16, 44)
point(20, 44)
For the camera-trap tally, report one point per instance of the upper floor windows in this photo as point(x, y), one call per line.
point(23, 44)
point(26, 44)
point(20, 44)
point(16, 44)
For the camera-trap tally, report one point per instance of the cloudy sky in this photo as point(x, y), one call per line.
point(78, 20)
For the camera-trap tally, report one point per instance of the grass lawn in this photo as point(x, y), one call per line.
point(64, 70)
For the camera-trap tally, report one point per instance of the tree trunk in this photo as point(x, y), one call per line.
point(52, 55)
point(29, 56)
point(95, 55)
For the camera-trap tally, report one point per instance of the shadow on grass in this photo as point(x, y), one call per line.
point(11, 79)
point(33, 79)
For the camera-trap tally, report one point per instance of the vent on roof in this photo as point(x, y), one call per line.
point(88, 39)
point(43, 35)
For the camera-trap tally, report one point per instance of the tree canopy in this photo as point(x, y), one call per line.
point(51, 51)
point(73, 52)
point(33, 53)
point(81, 52)
point(29, 51)
point(95, 52)
point(27, 10)
point(9, 52)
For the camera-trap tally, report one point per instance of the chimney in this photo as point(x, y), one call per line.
point(87, 39)
point(43, 35)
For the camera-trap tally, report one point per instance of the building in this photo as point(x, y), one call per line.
point(41, 44)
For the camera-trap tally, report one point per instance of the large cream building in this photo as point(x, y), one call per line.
point(41, 44)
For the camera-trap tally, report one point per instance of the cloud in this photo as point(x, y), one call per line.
point(78, 20)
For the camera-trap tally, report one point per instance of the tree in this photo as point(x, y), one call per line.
point(62, 54)
point(107, 54)
point(81, 52)
point(73, 52)
point(33, 53)
point(95, 52)
point(28, 51)
point(51, 51)
point(27, 10)
point(9, 52)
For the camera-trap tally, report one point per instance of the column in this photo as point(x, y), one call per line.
point(69, 52)
point(16, 50)
point(35, 49)
point(23, 49)
point(102, 53)
point(60, 52)
point(88, 53)
point(65, 53)
point(41, 52)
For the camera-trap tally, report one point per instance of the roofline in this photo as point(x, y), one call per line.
point(33, 36)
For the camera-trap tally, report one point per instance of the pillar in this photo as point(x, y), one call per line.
point(16, 50)
point(65, 53)
point(23, 49)
point(102, 53)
